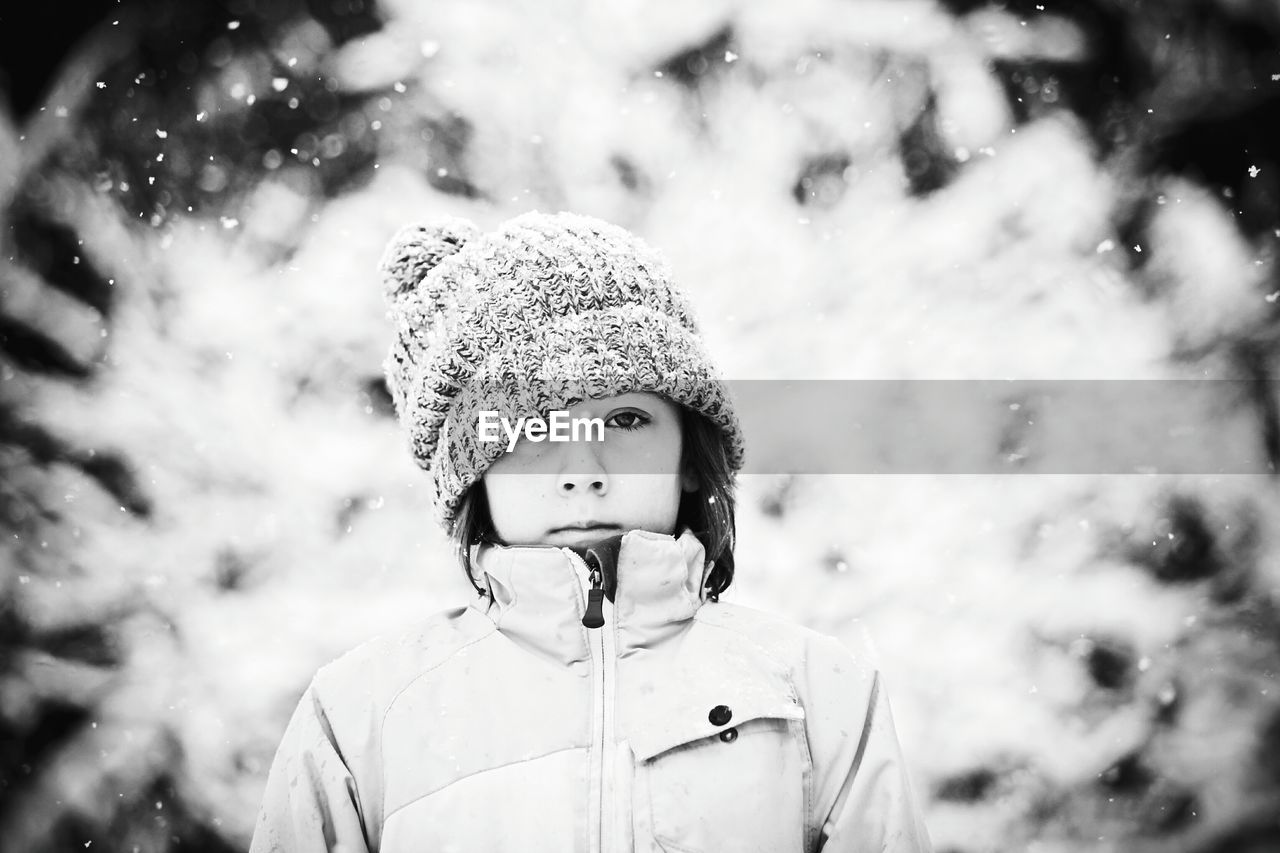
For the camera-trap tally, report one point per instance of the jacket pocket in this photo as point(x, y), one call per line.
point(733, 779)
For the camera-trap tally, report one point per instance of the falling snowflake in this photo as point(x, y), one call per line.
point(1253, 171)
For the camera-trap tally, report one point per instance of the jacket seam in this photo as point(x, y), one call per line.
point(786, 672)
point(809, 829)
point(326, 729)
point(741, 726)
point(382, 726)
point(855, 766)
point(866, 728)
point(451, 782)
point(669, 846)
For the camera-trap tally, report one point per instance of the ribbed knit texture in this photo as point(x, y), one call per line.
point(544, 312)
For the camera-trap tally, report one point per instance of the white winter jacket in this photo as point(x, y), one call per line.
point(680, 725)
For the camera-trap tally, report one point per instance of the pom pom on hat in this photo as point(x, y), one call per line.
point(417, 249)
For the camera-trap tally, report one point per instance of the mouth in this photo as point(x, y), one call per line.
point(589, 527)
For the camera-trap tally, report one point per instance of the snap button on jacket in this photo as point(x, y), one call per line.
point(508, 725)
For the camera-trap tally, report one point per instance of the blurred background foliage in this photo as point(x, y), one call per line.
point(205, 496)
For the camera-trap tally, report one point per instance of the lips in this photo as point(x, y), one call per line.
point(588, 527)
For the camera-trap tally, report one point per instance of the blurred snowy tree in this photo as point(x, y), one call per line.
point(204, 495)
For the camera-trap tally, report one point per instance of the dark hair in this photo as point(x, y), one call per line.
point(709, 511)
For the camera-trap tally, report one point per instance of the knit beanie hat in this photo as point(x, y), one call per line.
point(539, 315)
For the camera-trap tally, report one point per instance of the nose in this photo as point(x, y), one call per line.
point(581, 471)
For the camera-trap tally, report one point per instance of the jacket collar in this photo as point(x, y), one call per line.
point(537, 595)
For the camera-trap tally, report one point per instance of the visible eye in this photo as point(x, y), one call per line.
point(627, 420)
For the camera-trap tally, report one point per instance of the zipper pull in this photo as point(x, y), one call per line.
point(602, 559)
point(594, 617)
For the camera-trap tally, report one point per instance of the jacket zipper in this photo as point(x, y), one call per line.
point(598, 611)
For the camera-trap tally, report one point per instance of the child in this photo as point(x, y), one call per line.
point(596, 696)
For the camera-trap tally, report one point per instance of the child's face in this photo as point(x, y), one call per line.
point(571, 493)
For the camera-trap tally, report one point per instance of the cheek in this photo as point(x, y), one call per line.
point(510, 499)
point(673, 496)
point(657, 453)
point(654, 499)
point(669, 502)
